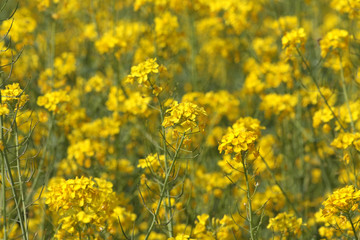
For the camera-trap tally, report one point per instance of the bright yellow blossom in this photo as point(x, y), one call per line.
point(341, 202)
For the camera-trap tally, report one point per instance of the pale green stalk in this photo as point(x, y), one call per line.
point(318, 88)
point(12, 183)
point(164, 189)
point(346, 96)
point(248, 195)
point(168, 204)
point(3, 193)
point(22, 193)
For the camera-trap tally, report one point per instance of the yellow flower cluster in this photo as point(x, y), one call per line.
point(217, 104)
point(344, 140)
point(136, 103)
point(181, 237)
point(13, 94)
point(97, 84)
point(83, 152)
point(165, 29)
point(141, 71)
point(336, 40)
point(83, 205)
point(120, 38)
point(323, 115)
point(185, 117)
point(152, 160)
point(241, 136)
point(293, 41)
point(21, 29)
point(286, 223)
point(222, 228)
point(52, 100)
point(281, 105)
point(350, 7)
point(341, 202)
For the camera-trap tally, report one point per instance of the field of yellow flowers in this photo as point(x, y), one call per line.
point(180, 119)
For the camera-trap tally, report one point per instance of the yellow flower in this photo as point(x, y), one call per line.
point(52, 100)
point(286, 223)
point(341, 202)
point(13, 93)
point(152, 160)
point(350, 7)
point(4, 110)
point(241, 136)
point(344, 140)
point(185, 117)
point(293, 40)
point(84, 203)
point(140, 72)
point(335, 40)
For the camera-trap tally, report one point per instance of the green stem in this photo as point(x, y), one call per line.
point(22, 193)
point(346, 95)
point(318, 88)
point(12, 183)
point(250, 213)
point(3, 193)
point(162, 194)
point(278, 184)
point(353, 227)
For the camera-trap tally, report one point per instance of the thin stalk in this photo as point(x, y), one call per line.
point(278, 184)
point(3, 193)
point(162, 194)
point(22, 196)
point(346, 95)
point(168, 204)
point(34, 184)
point(318, 88)
point(12, 183)
point(250, 213)
point(353, 227)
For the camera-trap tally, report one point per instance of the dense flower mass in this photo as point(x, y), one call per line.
point(341, 202)
point(141, 72)
point(286, 223)
point(293, 41)
point(180, 119)
point(241, 136)
point(14, 94)
point(336, 41)
point(185, 117)
point(350, 7)
point(83, 203)
point(51, 101)
point(344, 140)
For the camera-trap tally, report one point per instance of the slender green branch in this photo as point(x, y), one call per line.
point(11, 178)
point(318, 88)
point(346, 95)
point(165, 187)
point(22, 192)
point(278, 184)
point(248, 195)
point(3, 194)
point(353, 227)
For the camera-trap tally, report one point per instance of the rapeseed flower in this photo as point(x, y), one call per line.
point(185, 117)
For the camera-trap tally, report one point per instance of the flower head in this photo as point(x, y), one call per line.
point(293, 40)
point(286, 223)
point(241, 136)
point(342, 201)
point(185, 117)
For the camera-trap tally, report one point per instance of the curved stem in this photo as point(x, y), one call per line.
point(318, 88)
